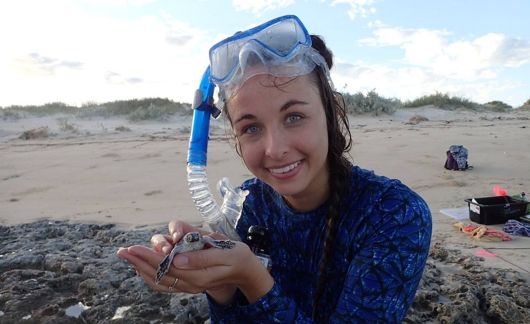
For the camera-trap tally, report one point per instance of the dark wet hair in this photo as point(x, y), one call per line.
point(339, 143)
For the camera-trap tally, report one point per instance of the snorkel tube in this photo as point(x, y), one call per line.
point(224, 219)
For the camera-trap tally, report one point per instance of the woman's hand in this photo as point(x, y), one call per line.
point(177, 229)
point(216, 271)
point(145, 259)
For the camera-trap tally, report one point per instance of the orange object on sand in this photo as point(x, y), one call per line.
point(500, 191)
point(481, 232)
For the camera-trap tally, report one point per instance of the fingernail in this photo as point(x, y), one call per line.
point(176, 236)
point(166, 249)
point(180, 260)
point(119, 251)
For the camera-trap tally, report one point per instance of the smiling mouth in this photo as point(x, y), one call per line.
point(285, 169)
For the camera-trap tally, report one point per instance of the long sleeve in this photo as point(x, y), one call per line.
point(383, 277)
point(382, 245)
point(274, 307)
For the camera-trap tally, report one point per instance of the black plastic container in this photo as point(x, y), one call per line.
point(495, 210)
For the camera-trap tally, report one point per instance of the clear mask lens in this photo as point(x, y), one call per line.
point(278, 38)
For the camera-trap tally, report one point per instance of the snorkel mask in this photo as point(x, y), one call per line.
point(280, 47)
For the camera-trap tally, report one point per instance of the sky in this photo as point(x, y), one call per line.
point(93, 51)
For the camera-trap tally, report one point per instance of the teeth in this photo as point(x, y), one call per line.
point(285, 169)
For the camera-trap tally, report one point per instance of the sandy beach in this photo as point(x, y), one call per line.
point(134, 174)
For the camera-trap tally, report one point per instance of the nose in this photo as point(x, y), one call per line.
point(276, 144)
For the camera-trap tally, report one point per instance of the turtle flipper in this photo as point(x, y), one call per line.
point(163, 268)
point(219, 244)
point(165, 264)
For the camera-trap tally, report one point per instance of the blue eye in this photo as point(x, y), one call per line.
point(252, 129)
point(293, 118)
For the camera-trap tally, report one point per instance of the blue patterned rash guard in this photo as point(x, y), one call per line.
point(382, 243)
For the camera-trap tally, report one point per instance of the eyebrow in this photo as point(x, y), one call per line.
point(285, 106)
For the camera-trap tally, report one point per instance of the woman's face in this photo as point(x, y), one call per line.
point(282, 134)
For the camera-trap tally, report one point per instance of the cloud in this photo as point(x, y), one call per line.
point(256, 7)
point(392, 82)
point(361, 8)
point(476, 58)
point(178, 40)
point(510, 52)
point(77, 55)
point(116, 78)
point(407, 83)
point(37, 64)
point(432, 60)
point(180, 34)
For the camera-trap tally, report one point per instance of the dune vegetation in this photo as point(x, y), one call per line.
point(161, 109)
point(134, 110)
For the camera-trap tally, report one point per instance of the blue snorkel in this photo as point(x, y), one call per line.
point(224, 219)
point(203, 108)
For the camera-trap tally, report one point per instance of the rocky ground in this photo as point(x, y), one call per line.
point(58, 272)
point(61, 272)
point(458, 289)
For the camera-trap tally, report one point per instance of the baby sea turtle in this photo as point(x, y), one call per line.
point(192, 241)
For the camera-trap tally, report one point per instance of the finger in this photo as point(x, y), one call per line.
point(177, 229)
point(199, 280)
point(145, 269)
point(174, 285)
point(168, 283)
point(147, 272)
point(209, 257)
point(133, 258)
point(161, 243)
point(146, 254)
point(122, 253)
point(144, 265)
point(141, 267)
point(209, 265)
point(181, 285)
point(146, 261)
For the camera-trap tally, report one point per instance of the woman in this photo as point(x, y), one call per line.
point(346, 245)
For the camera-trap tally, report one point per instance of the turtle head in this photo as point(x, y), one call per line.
point(192, 237)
